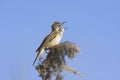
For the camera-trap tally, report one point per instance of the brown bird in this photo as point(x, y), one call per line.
point(51, 40)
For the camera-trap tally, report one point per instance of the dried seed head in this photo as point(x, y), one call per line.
point(55, 60)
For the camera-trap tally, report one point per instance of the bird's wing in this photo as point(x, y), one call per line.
point(48, 39)
point(41, 44)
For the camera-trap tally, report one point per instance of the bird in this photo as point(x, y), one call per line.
point(51, 40)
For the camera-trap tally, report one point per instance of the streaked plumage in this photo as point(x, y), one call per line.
point(51, 40)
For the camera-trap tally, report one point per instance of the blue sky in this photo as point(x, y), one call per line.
point(94, 25)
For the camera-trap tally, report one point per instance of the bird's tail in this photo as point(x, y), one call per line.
point(40, 52)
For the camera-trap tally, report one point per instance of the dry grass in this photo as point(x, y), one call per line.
point(55, 62)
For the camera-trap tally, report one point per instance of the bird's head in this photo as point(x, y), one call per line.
point(57, 26)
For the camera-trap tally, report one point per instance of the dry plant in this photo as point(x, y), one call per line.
point(55, 63)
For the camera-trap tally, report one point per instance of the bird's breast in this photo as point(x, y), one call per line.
point(56, 40)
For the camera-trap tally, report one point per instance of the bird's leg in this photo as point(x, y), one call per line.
point(46, 50)
point(41, 59)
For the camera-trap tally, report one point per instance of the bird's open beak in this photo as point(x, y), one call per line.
point(64, 23)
